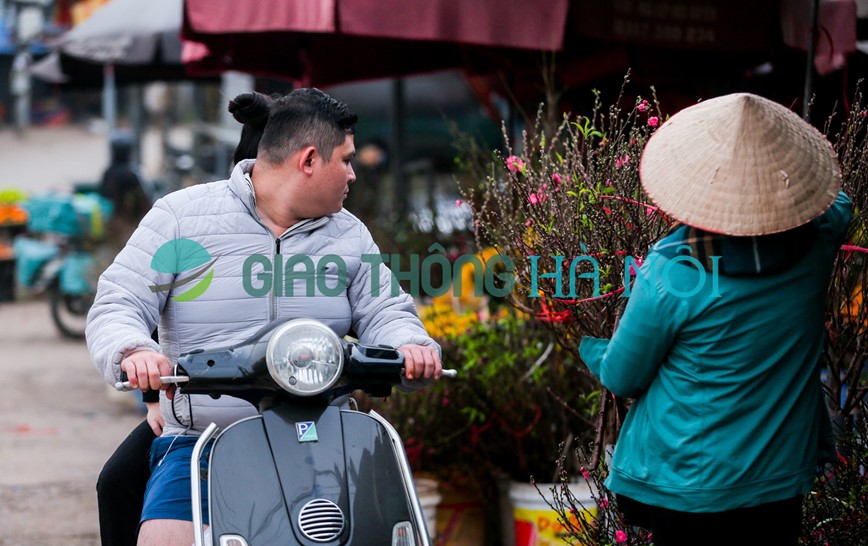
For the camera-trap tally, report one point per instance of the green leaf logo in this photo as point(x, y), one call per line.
point(183, 256)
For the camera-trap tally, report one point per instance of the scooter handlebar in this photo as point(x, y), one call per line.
point(164, 380)
point(124, 385)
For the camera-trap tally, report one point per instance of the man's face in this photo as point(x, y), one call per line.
point(333, 178)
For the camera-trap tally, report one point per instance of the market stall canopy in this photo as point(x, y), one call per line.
point(323, 42)
point(512, 47)
point(484, 22)
point(140, 39)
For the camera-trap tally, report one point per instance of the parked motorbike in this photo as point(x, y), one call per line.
point(310, 469)
point(57, 258)
point(71, 289)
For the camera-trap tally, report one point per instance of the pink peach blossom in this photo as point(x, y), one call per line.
point(514, 163)
point(620, 536)
point(653, 121)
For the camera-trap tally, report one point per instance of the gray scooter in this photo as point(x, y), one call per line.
point(310, 469)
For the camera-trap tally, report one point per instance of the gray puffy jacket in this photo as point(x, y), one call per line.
point(245, 293)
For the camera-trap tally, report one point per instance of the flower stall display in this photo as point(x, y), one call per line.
point(565, 205)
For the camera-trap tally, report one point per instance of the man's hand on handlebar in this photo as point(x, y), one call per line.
point(421, 362)
point(144, 368)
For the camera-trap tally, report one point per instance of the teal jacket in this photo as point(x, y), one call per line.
point(724, 371)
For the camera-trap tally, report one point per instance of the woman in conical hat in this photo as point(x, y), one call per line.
point(720, 341)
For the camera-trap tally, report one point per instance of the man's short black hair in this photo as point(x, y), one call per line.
point(305, 117)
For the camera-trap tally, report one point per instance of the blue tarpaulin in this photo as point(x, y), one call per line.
point(8, 45)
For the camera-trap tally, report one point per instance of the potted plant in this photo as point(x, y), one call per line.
point(516, 405)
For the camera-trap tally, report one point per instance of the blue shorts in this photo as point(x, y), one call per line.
point(168, 493)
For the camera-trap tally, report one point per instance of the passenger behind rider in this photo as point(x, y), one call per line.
point(287, 201)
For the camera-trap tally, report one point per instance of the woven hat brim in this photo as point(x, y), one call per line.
point(740, 165)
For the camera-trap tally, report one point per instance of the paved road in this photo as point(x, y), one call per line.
point(51, 158)
point(46, 159)
point(58, 425)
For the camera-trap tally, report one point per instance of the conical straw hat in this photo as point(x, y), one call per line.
point(740, 164)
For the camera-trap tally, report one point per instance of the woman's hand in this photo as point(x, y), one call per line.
point(155, 417)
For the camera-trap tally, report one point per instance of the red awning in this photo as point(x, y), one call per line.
point(326, 42)
point(525, 24)
point(323, 42)
point(209, 17)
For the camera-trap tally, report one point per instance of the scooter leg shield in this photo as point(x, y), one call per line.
point(380, 497)
point(307, 476)
point(244, 494)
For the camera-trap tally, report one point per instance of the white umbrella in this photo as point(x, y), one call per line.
point(128, 32)
point(138, 38)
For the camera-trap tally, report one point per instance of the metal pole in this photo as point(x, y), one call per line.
point(109, 99)
point(29, 19)
point(399, 185)
point(809, 67)
point(135, 104)
point(20, 87)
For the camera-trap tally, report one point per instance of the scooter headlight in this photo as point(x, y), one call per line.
point(304, 357)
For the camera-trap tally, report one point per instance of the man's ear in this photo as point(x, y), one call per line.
point(306, 158)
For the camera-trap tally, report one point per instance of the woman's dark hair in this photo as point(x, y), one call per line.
point(250, 109)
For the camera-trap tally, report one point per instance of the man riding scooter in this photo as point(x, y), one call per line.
point(124, 477)
point(287, 202)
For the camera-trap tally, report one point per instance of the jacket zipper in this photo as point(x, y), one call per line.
point(272, 308)
point(276, 262)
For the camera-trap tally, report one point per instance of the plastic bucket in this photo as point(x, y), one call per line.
point(536, 523)
point(429, 498)
point(460, 517)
